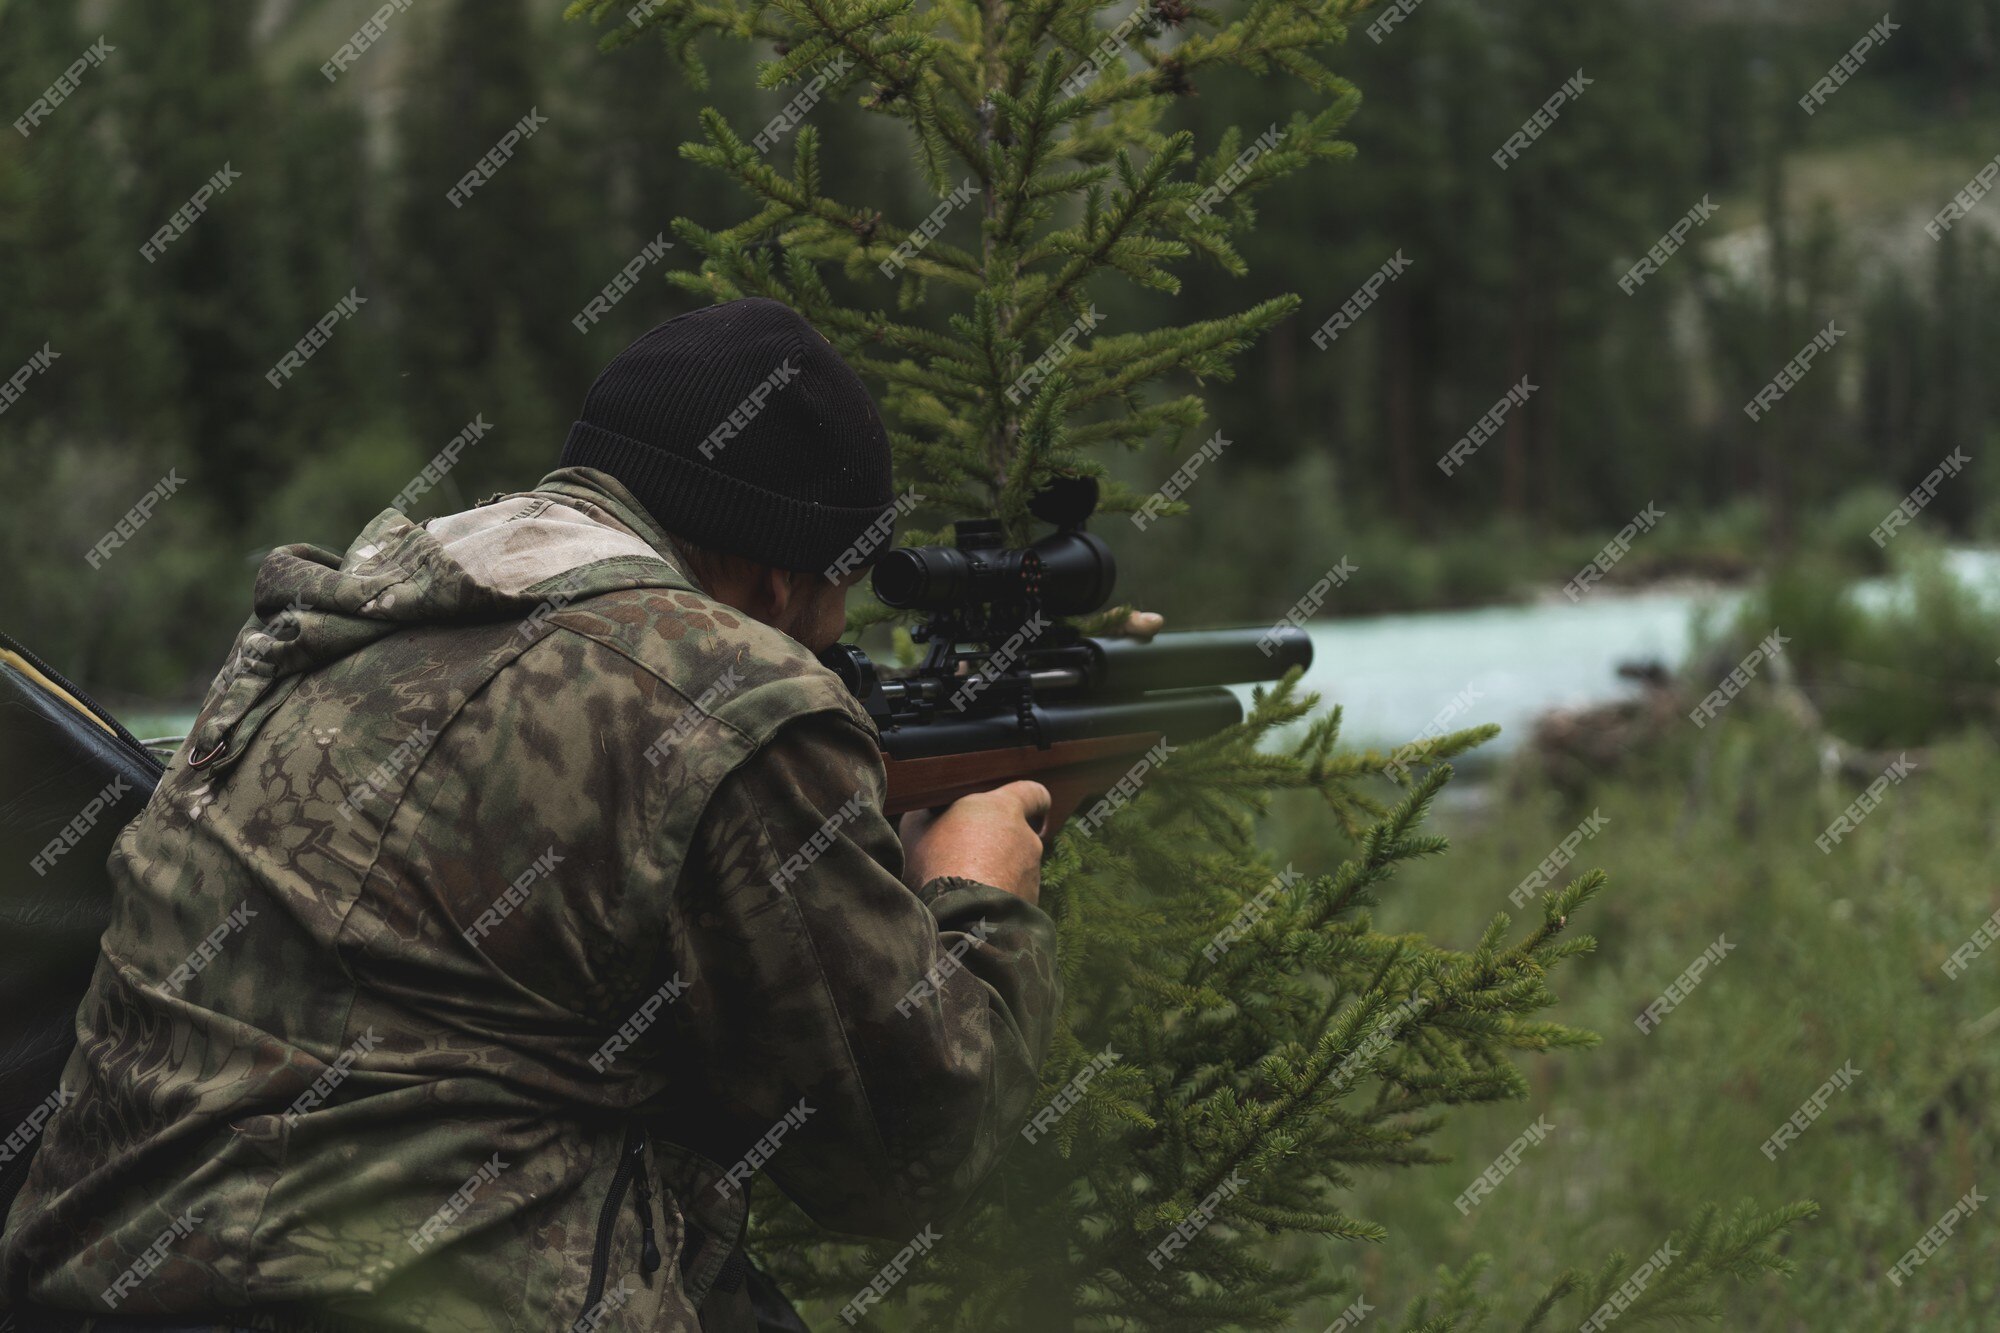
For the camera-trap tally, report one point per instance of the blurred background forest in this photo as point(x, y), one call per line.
point(1511, 274)
point(1894, 647)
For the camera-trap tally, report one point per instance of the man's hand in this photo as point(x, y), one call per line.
point(994, 837)
point(991, 836)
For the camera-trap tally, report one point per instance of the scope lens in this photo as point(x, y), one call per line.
point(919, 577)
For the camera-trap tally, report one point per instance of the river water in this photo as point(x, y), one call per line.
point(1398, 675)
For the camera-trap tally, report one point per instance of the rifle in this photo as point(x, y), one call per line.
point(70, 779)
point(1006, 691)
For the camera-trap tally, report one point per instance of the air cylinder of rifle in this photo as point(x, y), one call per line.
point(1192, 658)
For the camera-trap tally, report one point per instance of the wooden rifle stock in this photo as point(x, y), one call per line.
point(1073, 771)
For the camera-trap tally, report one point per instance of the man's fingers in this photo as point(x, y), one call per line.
point(1143, 625)
point(1033, 797)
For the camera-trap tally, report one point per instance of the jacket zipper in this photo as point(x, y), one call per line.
point(97, 709)
point(631, 1163)
point(649, 1250)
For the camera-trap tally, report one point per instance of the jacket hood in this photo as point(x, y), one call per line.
point(521, 556)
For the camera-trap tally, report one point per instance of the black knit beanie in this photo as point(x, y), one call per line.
point(741, 430)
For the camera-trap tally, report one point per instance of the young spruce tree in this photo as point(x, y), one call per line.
point(1229, 1096)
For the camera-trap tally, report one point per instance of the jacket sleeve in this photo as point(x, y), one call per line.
point(885, 1042)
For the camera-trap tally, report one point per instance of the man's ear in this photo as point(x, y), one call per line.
point(775, 590)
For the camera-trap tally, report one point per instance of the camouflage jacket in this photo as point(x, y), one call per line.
point(510, 908)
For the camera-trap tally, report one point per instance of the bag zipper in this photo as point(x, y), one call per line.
point(97, 710)
point(631, 1163)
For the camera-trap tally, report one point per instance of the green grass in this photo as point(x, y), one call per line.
point(1838, 958)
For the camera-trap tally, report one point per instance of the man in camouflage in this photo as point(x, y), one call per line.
point(523, 892)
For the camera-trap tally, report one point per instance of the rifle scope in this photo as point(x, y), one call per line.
point(1065, 573)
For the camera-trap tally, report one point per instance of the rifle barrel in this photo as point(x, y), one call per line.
point(1182, 715)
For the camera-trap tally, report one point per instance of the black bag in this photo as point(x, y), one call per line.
point(70, 778)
